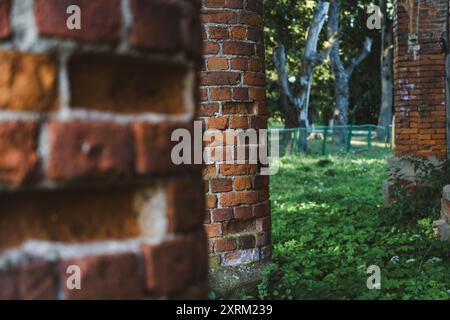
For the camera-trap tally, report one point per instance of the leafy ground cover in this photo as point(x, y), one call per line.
point(329, 226)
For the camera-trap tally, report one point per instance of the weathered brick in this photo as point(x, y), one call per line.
point(154, 147)
point(255, 79)
point(218, 32)
point(246, 242)
point(125, 85)
point(156, 25)
point(108, 277)
point(238, 48)
point(218, 123)
point(264, 239)
point(28, 82)
point(222, 214)
point(242, 183)
point(237, 169)
point(260, 181)
point(83, 215)
point(18, 151)
point(170, 266)
point(261, 209)
point(220, 94)
point(257, 94)
point(213, 230)
point(216, 64)
point(101, 20)
point(203, 94)
point(238, 33)
point(208, 109)
point(210, 47)
point(243, 212)
point(238, 108)
point(255, 65)
point(240, 94)
point(214, 3)
point(185, 204)
point(235, 4)
point(233, 199)
point(222, 245)
point(89, 149)
point(264, 224)
point(28, 281)
point(250, 18)
point(220, 16)
point(220, 78)
point(221, 185)
point(239, 63)
point(211, 201)
point(191, 30)
point(240, 257)
point(238, 123)
point(209, 171)
point(5, 20)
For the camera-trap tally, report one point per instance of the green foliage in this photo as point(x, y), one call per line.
point(287, 21)
point(329, 228)
point(421, 198)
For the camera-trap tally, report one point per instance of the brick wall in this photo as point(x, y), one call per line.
point(419, 88)
point(232, 95)
point(86, 178)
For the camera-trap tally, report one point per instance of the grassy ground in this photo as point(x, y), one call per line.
point(329, 226)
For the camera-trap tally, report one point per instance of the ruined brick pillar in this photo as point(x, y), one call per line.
point(419, 88)
point(238, 220)
point(419, 71)
point(87, 185)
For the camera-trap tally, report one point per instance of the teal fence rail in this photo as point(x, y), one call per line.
point(330, 140)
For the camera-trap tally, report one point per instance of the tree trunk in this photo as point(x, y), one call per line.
point(342, 97)
point(341, 74)
point(289, 110)
point(298, 103)
point(385, 116)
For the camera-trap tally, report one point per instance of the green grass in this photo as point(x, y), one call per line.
point(329, 226)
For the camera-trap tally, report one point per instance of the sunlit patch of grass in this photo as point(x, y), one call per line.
point(329, 225)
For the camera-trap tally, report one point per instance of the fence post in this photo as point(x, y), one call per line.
point(369, 138)
point(349, 138)
point(387, 136)
point(324, 144)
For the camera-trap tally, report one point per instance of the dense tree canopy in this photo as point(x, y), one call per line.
point(287, 21)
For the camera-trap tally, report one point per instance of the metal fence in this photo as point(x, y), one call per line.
point(331, 140)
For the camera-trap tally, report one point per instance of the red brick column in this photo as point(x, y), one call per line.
point(233, 97)
point(86, 178)
point(419, 88)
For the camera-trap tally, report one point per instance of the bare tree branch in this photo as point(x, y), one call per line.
point(313, 33)
point(279, 60)
point(327, 47)
point(367, 48)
